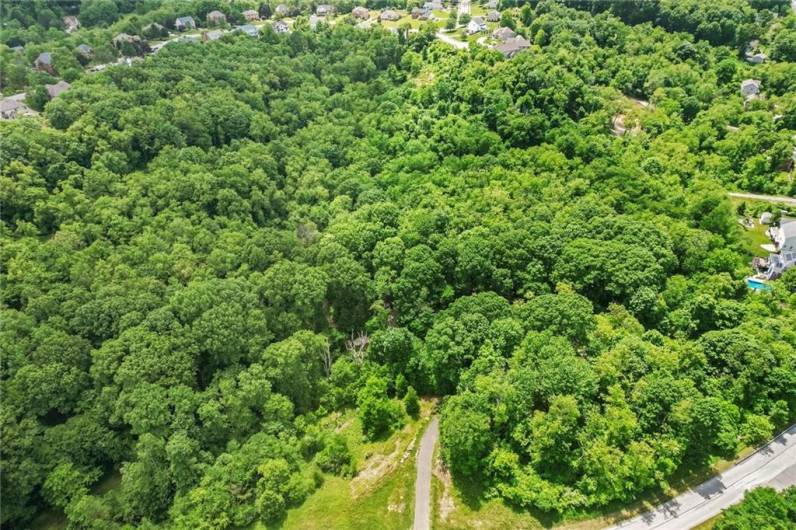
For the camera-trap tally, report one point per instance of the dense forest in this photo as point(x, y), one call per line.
point(208, 251)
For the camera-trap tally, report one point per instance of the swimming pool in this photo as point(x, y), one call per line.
point(757, 285)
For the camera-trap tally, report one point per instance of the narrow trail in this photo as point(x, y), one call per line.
point(425, 454)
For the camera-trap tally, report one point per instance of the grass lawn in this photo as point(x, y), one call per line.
point(755, 236)
point(403, 21)
point(477, 10)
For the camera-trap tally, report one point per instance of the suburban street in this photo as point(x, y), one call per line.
point(425, 455)
point(767, 198)
point(772, 465)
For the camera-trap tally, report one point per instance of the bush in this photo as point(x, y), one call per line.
point(411, 403)
point(378, 414)
point(335, 457)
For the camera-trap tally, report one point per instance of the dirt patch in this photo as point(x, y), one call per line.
point(376, 467)
point(446, 503)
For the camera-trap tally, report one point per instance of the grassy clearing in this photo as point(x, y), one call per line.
point(380, 496)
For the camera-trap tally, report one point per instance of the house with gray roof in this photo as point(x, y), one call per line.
point(389, 15)
point(213, 34)
point(249, 30)
point(503, 34)
point(493, 16)
point(14, 107)
point(85, 50)
point(184, 23)
point(750, 88)
point(282, 10)
point(57, 89)
point(512, 46)
point(325, 10)
point(44, 63)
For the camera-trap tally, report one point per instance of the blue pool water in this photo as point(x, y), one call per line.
point(757, 285)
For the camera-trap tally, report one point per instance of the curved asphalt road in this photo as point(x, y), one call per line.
point(772, 465)
point(425, 455)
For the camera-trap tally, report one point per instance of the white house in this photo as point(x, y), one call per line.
point(782, 250)
point(476, 25)
point(756, 58)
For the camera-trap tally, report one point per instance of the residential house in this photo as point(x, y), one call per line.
point(420, 13)
point(249, 30)
point(184, 23)
point(71, 23)
point(85, 51)
point(325, 10)
point(513, 46)
point(12, 107)
point(44, 63)
point(491, 4)
point(57, 89)
point(756, 58)
point(493, 16)
point(503, 34)
point(389, 15)
point(216, 18)
point(251, 15)
point(360, 12)
point(750, 88)
point(213, 34)
point(282, 10)
point(434, 5)
point(476, 25)
point(280, 26)
point(314, 19)
point(782, 250)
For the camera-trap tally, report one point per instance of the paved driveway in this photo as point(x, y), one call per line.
point(425, 455)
